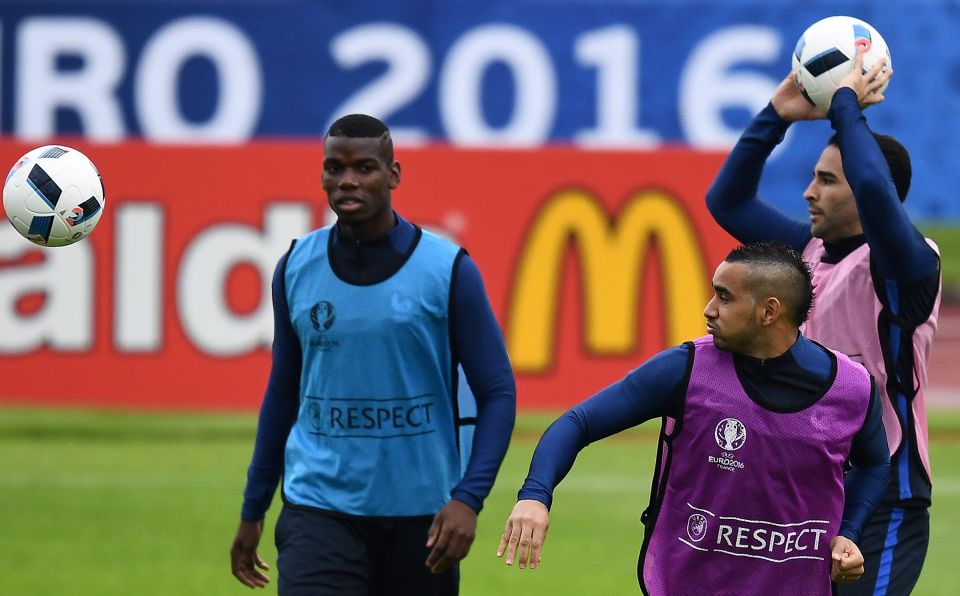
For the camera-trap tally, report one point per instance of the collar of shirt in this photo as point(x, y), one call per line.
point(837, 251)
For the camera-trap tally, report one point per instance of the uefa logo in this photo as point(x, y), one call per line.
point(731, 434)
point(696, 527)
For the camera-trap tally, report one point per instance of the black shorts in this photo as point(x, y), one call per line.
point(322, 553)
point(894, 545)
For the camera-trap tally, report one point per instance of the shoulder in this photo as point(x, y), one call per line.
point(311, 239)
point(437, 241)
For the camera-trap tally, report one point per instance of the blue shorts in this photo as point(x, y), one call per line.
point(894, 545)
point(323, 553)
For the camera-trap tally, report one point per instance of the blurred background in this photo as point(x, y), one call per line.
point(567, 144)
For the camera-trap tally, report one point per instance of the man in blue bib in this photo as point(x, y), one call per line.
point(385, 455)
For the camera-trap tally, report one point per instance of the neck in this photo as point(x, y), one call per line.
point(838, 248)
point(775, 344)
point(367, 230)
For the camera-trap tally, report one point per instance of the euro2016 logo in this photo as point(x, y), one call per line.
point(322, 315)
point(731, 434)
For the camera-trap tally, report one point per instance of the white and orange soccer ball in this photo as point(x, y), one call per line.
point(53, 196)
point(826, 51)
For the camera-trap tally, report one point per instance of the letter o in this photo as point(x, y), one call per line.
point(461, 82)
point(238, 69)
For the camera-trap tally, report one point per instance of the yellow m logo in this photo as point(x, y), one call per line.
point(611, 256)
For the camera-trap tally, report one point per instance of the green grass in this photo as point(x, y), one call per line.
point(947, 238)
point(97, 503)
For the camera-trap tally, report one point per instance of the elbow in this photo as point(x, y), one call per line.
point(718, 207)
point(712, 199)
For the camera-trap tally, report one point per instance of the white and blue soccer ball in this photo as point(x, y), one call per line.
point(53, 196)
point(826, 51)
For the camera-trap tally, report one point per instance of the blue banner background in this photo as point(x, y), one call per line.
point(496, 55)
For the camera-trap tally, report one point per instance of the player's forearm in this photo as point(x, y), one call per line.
point(900, 251)
point(732, 198)
point(864, 488)
point(553, 458)
point(495, 419)
point(277, 415)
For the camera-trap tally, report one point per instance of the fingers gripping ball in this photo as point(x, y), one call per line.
point(826, 51)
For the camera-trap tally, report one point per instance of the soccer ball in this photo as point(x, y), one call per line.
point(825, 54)
point(53, 196)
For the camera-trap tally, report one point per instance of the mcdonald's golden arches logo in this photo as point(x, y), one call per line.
point(611, 253)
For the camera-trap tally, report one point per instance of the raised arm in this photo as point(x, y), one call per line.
point(732, 198)
point(898, 249)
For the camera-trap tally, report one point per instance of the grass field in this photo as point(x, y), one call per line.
point(947, 238)
point(103, 503)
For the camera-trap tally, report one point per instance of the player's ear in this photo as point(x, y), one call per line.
point(772, 310)
point(394, 175)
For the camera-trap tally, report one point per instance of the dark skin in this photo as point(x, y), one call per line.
point(358, 178)
point(245, 563)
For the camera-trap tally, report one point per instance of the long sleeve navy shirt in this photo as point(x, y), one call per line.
point(897, 248)
point(906, 268)
point(477, 345)
point(653, 390)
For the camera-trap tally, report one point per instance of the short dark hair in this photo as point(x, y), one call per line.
point(363, 126)
point(898, 160)
point(785, 275)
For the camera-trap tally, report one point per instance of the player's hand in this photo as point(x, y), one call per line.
point(450, 536)
point(847, 562)
point(867, 85)
point(791, 105)
point(244, 560)
point(525, 533)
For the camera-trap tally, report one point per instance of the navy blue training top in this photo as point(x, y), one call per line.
point(897, 248)
point(906, 269)
point(476, 341)
point(655, 389)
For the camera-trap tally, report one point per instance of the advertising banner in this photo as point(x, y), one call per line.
point(517, 73)
point(593, 262)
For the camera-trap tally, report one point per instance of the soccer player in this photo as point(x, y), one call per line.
point(748, 494)
point(877, 289)
point(362, 415)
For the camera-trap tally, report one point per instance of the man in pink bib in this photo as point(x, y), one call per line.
point(759, 424)
point(877, 285)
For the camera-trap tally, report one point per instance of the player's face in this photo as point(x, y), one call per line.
point(830, 201)
point(358, 180)
point(733, 318)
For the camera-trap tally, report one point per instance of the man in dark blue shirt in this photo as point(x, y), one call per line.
point(877, 288)
point(780, 392)
point(364, 415)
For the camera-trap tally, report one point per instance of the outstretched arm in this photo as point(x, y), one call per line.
point(732, 198)
point(647, 392)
